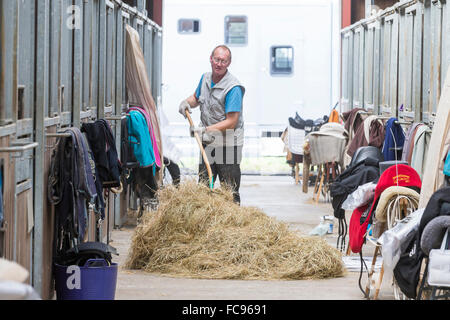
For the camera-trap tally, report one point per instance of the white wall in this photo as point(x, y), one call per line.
point(312, 27)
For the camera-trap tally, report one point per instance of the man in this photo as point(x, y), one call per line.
point(219, 95)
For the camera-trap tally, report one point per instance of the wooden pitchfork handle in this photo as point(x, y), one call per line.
point(205, 158)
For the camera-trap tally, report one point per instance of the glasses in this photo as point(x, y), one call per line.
point(220, 61)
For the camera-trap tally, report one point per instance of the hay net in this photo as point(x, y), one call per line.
point(199, 233)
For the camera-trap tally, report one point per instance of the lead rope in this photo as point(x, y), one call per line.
point(360, 274)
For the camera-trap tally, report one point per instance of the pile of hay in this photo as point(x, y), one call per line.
point(197, 233)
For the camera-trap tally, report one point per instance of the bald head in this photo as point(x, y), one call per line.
point(223, 47)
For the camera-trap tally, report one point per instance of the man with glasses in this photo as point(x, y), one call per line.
point(219, 95)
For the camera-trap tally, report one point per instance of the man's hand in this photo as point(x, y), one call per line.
point(201, 131)
point(207, 138)
point(184, 105)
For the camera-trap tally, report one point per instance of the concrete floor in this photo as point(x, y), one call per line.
point(277, 196)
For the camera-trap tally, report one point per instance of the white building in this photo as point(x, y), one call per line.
point(285, 53)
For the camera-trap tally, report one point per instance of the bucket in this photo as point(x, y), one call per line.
point(96, 280)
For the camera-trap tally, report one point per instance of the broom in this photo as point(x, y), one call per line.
point(205, 158)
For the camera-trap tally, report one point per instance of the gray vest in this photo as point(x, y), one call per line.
point(212, 108)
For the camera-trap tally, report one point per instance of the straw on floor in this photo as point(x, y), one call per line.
point(199, 233)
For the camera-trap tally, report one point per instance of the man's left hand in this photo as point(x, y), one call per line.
point(205, 136)
point(199, 130)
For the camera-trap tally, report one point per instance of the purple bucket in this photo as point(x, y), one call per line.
point(96, 280)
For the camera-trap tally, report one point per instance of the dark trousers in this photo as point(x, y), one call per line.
point(225, 163)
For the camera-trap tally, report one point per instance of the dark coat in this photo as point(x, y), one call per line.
point(394, 138)
point(362, 172)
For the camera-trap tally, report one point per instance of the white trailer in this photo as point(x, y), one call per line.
point(285, 53)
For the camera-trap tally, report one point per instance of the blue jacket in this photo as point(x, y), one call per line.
point(447, 165)
point(394, 138)
point(139, 139)
point(1, 199)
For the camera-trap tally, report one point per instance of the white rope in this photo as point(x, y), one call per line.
point(393, 212)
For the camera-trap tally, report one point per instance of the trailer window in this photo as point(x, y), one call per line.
point(282, 58)
point(188, 26)
point(236, 30)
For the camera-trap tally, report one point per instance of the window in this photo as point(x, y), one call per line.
point(282, 58)
point(236, 30)
point(188, 26)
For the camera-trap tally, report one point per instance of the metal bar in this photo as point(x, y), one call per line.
point(66, 59)
point(350, 69)
point(55, 98)
point(155, 71)
point(8, 61)
point(58, 135)
point(42, 32)
point(384, 117)
point(77, 92)
point(93, 58)
point(26, 53)
point(116, 118)
point(159, 70)
point(102, 25)
point(20, 148)
point(118, 84)
point(86, 63)
point(393, 67)
point(369, 67)
point(110, 58)
point(403, 122)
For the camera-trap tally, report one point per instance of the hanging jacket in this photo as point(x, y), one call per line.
point(127, 156)
point(353, 119)
point(103, 146)
point(422, 140)
point(70, 188)
point(151, 130)
point(393, 140)
point(99, 202)
point(409, 141)
point(371, 133)
point(139, 138)
point(447, 165)
point(350, 179)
